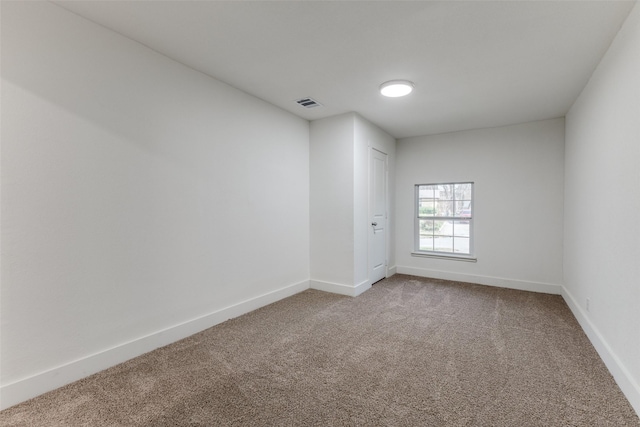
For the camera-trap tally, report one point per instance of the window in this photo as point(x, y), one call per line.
point(444, 220)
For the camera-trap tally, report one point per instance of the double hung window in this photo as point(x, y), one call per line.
point(444, 219)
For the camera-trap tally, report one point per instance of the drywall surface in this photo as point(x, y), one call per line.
point(602, 201)
point(367, 136)
point(331, 201)
point(137, 194)
point(518, 176)
point(339, 200)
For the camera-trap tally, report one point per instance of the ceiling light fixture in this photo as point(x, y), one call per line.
point(396, 88)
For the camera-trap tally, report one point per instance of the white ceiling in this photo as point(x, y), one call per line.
point(475, 64)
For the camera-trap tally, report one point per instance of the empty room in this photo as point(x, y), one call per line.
point(323, 213)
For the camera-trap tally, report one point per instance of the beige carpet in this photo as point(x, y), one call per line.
point(408, 352)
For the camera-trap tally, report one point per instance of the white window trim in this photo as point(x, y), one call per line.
point(470, 257)
point(444, 255)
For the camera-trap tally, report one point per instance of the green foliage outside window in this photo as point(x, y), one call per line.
point(425, 211)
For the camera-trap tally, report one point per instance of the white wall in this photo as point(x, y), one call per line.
point(141, 200)
point(339, 218)
point(518, 176)
point(602, 228)
point(331, 200)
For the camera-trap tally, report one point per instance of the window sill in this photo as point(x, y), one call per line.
point(466, 258)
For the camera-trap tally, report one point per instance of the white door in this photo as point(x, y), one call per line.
point(378, 215)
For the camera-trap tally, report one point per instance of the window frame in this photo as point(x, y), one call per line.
point(470, 257)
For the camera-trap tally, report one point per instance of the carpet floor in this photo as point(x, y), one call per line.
point(409, 352)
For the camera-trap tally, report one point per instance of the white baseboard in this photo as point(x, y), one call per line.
point(362, 287)
point(500, 282)
point(27, 388)
point(630, 388)
point(337, 288)
point(391, 271)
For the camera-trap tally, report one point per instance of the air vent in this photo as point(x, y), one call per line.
point(308, 103)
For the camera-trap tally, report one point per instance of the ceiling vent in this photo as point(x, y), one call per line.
point(308, 103)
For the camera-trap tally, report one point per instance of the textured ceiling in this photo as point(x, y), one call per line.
point(475, 64)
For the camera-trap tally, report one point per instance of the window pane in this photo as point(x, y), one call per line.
point(426, 208)
point(444, 208)
point(442, 228)
point(461, 228)
point(425, 191)
point(426, 227)
point(461, 245)
point(443, 244)
point(444, 192)
point(463, 208)
point(426, 243)
point(463, 191)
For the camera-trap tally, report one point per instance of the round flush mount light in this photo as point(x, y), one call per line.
point(396, 88)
